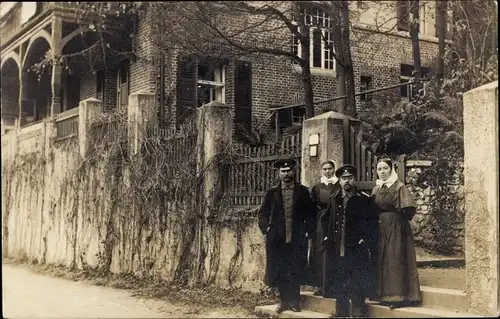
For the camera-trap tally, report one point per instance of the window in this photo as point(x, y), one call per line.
point(298, 115)
point(210, 82)
point(320, 24)
point(406, 76)
point(408, 91)
point(361, 4)
point(438, 19)
point(365, 85)
point(403, 12)
point(122, 88)
point(199, 81)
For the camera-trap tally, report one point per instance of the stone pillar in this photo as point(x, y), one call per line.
point(330, 127)
point(481, 171)
point(214, 133)
point(23, 95)
point(141, 116)
point(56, 68)
point(88, 111)
point(215, 127)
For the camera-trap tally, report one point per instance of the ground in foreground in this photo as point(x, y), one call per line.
point(35, 291)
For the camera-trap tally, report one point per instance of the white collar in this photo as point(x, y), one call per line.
point(390, 181)
point(332, 180)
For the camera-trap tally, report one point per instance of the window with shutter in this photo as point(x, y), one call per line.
point(199, 81)
point(243, 97)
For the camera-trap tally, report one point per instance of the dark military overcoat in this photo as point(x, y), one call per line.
point(354, 271)
point(272, 224)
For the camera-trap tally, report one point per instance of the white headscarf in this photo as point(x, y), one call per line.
point(391, 180)
point(332, 180)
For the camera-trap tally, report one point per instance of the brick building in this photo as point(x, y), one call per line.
point(381, 51)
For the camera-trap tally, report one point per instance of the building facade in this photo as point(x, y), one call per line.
point(380, 45)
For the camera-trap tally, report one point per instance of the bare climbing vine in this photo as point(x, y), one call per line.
point(146, 214)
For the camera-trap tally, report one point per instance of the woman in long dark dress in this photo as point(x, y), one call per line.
point(397, 282)
point(321, 193)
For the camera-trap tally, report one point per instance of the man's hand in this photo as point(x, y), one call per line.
point(308, 236)
point(267, 230)
point(325, 239)
point(362, 241)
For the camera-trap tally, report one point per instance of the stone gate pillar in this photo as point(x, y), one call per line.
point(330, 126)
point(214, 121)
point(481, 171)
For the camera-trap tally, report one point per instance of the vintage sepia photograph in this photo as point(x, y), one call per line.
point(250, 159)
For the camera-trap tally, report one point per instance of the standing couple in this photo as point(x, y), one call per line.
point(361, 246)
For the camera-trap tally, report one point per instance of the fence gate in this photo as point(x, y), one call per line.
point(251, 171)
point(355, 153)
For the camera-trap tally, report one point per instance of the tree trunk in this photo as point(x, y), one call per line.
point(340, 85)
point(306, 76)
point(415, 43)
point(305, 64)
point(340, 73)
point(441, 32)
point(308, 91)
point(347, 60)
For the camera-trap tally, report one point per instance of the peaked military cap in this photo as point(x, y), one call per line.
point(285, 163)
point(346, 170)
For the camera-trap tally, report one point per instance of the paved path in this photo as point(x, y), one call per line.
point(28, 295)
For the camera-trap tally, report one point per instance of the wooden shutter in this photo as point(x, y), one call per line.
point(242, 97)
point(186, 88)
point(284, 118)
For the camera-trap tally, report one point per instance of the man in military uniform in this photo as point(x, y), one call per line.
point(346, 251)
point(287, 217)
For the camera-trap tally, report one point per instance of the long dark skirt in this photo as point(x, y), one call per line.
point(397, 275)
point(315, 275)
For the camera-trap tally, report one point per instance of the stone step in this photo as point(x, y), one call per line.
point(376, 311)
point(308, 301)
point(441, 262)
point(373, 311)
point(271, 310)
point(446, 299)
point(439, 298)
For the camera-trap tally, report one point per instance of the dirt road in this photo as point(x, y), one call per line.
point(29, 295)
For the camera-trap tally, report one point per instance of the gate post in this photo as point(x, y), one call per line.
point(332, 143)
point(481, 169)
point(215, 129)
